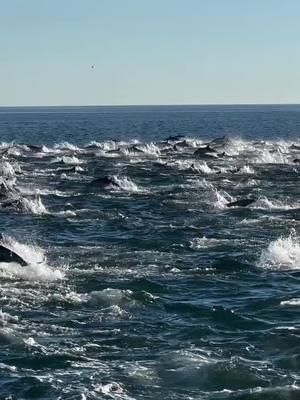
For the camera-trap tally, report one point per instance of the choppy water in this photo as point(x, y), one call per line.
point(151, 288)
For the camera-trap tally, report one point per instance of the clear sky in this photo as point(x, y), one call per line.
point(149, 52)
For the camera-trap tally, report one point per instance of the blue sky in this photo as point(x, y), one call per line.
point(149, 52)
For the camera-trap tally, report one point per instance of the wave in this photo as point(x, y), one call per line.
point(266, 157)
point(219, 199)
point(203, 243)
point(150, 149)
point(34, 206)
point(246, 169)
point(66, 146)
point(283, 252)
point(239, 147)
point(105, 154)
point(37, 269)
point(291, 302)
point(10, 170)
point(125, 184)
point(66, 214)
point(68, 160)
point(265, 204)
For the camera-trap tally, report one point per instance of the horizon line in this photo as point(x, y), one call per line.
point(151, 105)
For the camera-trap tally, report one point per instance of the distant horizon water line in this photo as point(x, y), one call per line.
point(151, 105)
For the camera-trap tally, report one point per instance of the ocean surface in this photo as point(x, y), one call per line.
point(150, 286)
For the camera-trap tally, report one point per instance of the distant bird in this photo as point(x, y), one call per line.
point(92, 66)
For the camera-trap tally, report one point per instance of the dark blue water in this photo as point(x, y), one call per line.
point(42, 125)
point(150, 287)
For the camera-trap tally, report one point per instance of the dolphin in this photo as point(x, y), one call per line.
point(70, 169)
point(17, 203)
point(6, 150)
point(241, 203)
point(34, 147)
point(294, 147)
point(113, 151)
point(104, 183)
point(296, 161)
point(174, 138)
point(7, 255)
point(204, 151)
point(184, 143)
point(135, 149)
point(220, 140)
point(7, 190)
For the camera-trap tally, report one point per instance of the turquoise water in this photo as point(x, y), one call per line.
point(151, 287)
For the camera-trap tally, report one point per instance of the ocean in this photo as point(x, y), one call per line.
point(150, 282)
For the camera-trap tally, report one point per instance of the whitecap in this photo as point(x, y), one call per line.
point(265, 204)
point(37, 268)
point(109, 297)
point(8, 169)
point(283, 252)
point(219, 199)
point(71, 160)
point(292, 302)
point(34, 206)
point(125, 184)
point(203, 243)
point(66, 146)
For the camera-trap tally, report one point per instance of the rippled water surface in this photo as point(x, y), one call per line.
point(150, 287)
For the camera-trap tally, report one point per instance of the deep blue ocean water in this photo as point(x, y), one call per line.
point(150, 287)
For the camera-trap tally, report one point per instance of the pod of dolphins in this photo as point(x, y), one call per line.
point(10, 196)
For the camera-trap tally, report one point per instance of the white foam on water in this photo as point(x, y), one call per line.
point(6, 318)
point(249, 221)
point(265, 204)
point(102, 153)
point(239, 146)
point(204, 168)
point(6, 145)
point(266, 157)
point(127, 153)
point(109, 297)
point(150, 149)
point(183, 165)
point(34, 206)
point(45, 149)
point(292, 302)
point(37, 269)
point(9, 169)
point(70, 297)
point(67, 160)
point(125, 184)
point(219, 199)
point(66, 146)
point(66, 214)
point(283, 252)
point(203, 183)
point(94, 143)
point(246, 169)
point(13, 152)
point(112, 390)
point(9, 183)
point(71, 160)
point(188, 361)
point(203, 243)
point(194, 142)
point(31, 191)
point(248, 183)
